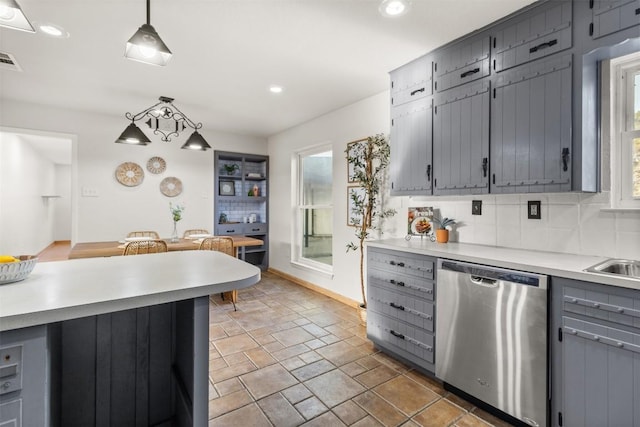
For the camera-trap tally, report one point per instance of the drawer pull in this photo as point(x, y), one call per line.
point(573, 301)
point(231, 231)
point(469, 73)
point(394, 282)
point(397, 307)
point(392, 263)
point(620, 310)
point(543, 45)
point(396, 334)
point(401, 264)
point(619, 345)
point(417, 91)
point(429, 291)
point(596, 305)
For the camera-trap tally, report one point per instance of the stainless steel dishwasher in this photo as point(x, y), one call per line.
point(491, 337)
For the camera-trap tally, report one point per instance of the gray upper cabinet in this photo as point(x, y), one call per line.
point(412, 81)
point(461, 63)
point(543, 31)
point(531, 128)
point(461, 140)
point(411, 130)
point(610, 16)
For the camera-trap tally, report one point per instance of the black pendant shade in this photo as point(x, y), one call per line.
point(196, 142)
point(146, 45)
point(133, 135)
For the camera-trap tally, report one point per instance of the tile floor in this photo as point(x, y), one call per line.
point(290, 356)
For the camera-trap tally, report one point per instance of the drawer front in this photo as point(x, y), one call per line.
point(414, 286)
point(540, 35)
point(412, 81)
point(223, 229)
point(615, 305)
point(401, 262)
point(604, 335)
point(255, 228)
point(406, 308)
point(462, 64)
point(397, 334)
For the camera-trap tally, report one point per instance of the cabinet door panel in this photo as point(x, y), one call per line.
point(543, 31)
point(461, 140)
point(610, 16)
point(411, 148)
point(412, 81)
point(531, 128)
point(462, 63)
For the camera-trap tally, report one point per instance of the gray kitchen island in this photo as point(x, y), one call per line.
point(112, 341)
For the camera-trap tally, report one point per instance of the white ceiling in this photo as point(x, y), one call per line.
point(226, 53)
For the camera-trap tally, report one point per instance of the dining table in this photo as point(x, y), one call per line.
point(115, 248)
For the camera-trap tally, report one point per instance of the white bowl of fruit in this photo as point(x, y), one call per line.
point(16, 268)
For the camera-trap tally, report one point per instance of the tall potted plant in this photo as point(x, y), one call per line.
point(368, 160)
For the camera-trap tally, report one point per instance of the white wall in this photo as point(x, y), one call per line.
point(571, 223)
point(118, 209)
point(62, 206)
point(26, 218)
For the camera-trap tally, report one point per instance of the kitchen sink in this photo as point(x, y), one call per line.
point(617, 267)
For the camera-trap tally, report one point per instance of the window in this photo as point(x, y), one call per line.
point(313, 235)
point(625, 131)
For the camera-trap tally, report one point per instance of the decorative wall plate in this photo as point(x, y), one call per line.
point(156, 165)
point(129, 174)
point(171, 186)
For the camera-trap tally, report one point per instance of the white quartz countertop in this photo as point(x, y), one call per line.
point(550, 263)
point(76, 288)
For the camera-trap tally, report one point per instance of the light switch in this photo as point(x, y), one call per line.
point(89, 192)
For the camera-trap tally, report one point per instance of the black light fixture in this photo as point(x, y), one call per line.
point(12, 16)
point(164, 119)
point(146, 45)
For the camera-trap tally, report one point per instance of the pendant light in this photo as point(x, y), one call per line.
point(146, 45)
point(133, 135)
point(11, 16)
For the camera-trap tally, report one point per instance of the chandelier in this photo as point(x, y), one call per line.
point(164, 119)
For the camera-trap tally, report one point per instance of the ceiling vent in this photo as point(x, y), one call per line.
point(8, 62)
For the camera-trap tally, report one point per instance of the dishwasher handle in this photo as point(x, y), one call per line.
point(483, 281)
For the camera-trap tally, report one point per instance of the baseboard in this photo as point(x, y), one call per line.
point(315, 288)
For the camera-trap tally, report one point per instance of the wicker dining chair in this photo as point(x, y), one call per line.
point(152, 235)
point(140, 247)
point(188, 233)
point(224, 245)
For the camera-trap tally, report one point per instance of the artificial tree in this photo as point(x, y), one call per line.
point(369, 160)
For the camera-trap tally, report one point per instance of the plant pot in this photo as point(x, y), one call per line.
point(362, 313)
point(442, 235)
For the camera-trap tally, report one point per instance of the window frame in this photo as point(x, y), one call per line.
point(297, 257)
point(622, 133)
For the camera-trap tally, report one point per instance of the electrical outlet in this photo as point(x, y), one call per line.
point(476, 207)
point(533, 209)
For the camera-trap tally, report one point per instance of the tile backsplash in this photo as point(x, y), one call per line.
point(570, 222)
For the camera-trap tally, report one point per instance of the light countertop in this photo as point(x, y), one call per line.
point(550, 263)
point(76, 288)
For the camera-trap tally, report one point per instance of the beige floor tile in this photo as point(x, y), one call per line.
point(216, 332)
point(289, 352)
point(228, 403)
point(340, 353)
point(216, 364)
point(470, 420)
point(297, 393)
point(266, 381)
point(440, 414)
point(311, 407)
point(279, 411)
point(315, 330)
point(428, 382)
point(489, 418)
point(313, 370)
point(334, 387)
point(316, 343)
point(406, 395)
point(376, 376)
point(459, 401)
point(260, 357)
point(231, 371)
point(293, 363)
point(349, 412)
point(235, 344)
point(310, 356)
point(228, 386)
point(353, 369)
point(239, 417)
point(327, 419)
point(382, 410)
point(293, 336)
point(236, 358)
point(368, 421)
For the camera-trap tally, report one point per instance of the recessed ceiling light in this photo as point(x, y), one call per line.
point(275, 89)
point(52, 30)
point(394, 8)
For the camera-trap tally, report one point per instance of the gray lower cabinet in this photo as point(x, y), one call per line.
point(611, 16)
point(401, 291)
point(596, 355)
point(461, 140)
point(411, 155)
point(531, 128)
